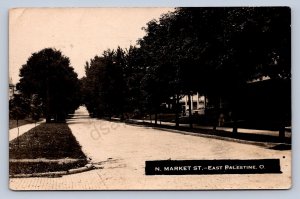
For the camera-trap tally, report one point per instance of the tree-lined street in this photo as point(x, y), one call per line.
point(197, 74)
point(119, 152)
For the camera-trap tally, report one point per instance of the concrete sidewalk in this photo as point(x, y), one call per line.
point(227, 129)
point(13, 133)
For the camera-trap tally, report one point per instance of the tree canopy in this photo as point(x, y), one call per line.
point(215, 52)
point(104, 84)
point(48, 75)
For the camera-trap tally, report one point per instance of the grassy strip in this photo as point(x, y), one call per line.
point(224, 134)
point(13, 123)
point(40, 167)
point(50, 141)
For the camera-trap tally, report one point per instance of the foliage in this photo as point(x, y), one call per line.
point(217, 51)
point(213, 51)
point(19, 107)
point(104, 84)
point(36, 107)
point(48, 75)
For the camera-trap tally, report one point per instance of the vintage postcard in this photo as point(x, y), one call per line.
point(150, 98)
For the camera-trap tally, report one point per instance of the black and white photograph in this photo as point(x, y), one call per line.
point(150, 98)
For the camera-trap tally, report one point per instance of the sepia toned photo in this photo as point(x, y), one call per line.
point(150, 98)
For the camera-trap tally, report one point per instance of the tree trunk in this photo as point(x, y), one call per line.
point(155, 118)
point(160, 119)
point(48, 119)
point(177, 110)
point(282, 129)
point(190, 111)
point(282, 132)
point(18, 133)
point(215, 118)
point(234, 128)
point(205, 101)
point(48, 109)
point(55, 118)
point(214, 127)
point(215, 121)
point(122, 117)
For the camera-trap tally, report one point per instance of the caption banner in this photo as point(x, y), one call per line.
point(206, 167)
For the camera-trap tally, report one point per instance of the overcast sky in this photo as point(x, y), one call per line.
point(79, 33)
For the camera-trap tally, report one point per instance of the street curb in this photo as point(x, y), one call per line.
point(211, 136)
point(55, 173)
point(231, 139)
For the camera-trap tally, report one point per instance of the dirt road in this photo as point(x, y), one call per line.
point(119, 152)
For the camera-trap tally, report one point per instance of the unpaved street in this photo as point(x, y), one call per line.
point(119, 152)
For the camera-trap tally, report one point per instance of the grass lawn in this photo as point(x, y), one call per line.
point(46, 141)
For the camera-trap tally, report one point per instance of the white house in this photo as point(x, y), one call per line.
point(198, 104)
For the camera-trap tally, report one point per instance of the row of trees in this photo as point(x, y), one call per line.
point(213, 51)
point(113, 83)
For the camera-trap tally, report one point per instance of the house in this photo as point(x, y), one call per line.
point(198, 104)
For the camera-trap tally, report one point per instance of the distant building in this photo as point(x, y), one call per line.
point(198, 104)
point(12, 89)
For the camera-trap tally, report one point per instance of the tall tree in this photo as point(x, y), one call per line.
point(134, 71)
point(48, 75)
point(161, 58)
point(104, 86)
point(217, 51)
